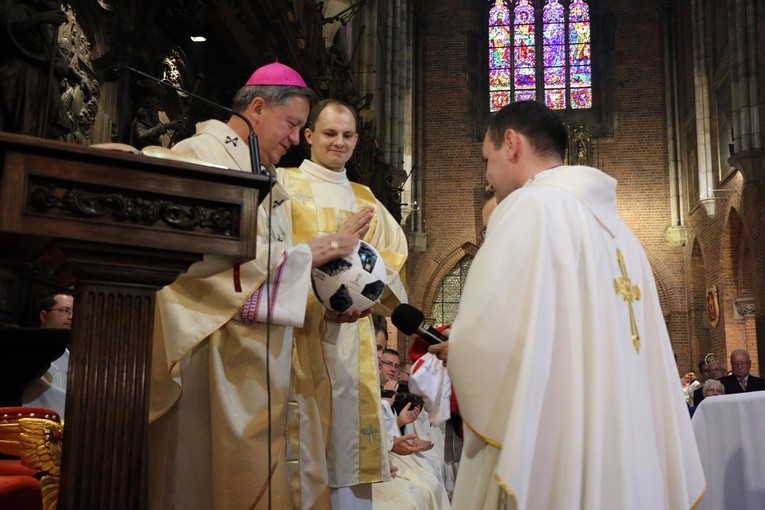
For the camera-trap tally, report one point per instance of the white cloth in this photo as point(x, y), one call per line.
point(209, 400)
point(728, 430)
point(688, 392)
point(355, 497)
point(540, 324)
point(49, 391)
point(430, 379)
point(433, 459)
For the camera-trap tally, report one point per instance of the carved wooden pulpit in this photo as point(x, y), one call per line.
point(117, 226)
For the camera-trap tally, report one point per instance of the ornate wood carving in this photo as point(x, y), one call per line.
point(47, 196)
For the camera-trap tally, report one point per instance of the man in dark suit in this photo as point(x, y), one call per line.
point(740, 380)
point(713, 370)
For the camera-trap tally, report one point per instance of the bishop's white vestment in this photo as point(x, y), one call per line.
point(561, 361)
point(212, 352)
point(335, 368)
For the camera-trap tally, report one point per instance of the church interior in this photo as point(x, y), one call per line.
point(666, 99)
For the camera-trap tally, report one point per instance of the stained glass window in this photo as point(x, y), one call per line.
point(556, 30)
point(447, 296)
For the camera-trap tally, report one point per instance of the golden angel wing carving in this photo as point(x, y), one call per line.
point(41, 444)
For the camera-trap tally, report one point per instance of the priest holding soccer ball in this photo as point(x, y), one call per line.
point(338, 423)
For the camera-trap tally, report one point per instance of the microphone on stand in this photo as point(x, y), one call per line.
point(112, 74)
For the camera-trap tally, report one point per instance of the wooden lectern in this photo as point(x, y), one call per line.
point(117, 226)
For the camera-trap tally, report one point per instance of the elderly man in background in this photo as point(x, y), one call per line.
point(740, 380)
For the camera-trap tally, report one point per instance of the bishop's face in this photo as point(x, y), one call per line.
point(278, 127)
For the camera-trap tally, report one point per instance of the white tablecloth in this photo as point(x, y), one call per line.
point(730, 433)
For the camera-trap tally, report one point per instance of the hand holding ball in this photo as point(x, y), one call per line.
point(352, 283)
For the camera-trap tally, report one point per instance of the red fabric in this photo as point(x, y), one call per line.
point(28, 411)
point(20, 493)
point(420, 347)
point(15, 467)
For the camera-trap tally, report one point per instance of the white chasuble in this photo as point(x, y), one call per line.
point(335, 375)
point(561, 361)
point(210, 399)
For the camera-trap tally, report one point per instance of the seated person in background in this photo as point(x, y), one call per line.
point(403, 376)
point(389, 367)
point(716, 371)
point(49, 391)
point(381, 333)
point(740, 380)
point(413, 485)
point(710, 388)
point(689, 384)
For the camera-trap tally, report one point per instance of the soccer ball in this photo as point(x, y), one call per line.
point(352, 283)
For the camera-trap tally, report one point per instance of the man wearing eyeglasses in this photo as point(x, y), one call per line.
point(56, 311)
point(389, 366)
point(49, 391)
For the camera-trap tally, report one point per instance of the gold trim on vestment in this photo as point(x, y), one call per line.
point(485, 439)
point(701, 496)
point(507, 493)
point(307, 222)
point(370, 408)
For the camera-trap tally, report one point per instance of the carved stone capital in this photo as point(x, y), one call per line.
point(744, 308)
point(677, 236)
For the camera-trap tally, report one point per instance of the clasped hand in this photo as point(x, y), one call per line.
point(409, 444)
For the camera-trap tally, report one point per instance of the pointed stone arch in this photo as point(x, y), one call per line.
point(700, 336)
point(442, 267)
point(737, 290)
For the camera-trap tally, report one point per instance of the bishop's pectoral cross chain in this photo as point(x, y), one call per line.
point(629, 292)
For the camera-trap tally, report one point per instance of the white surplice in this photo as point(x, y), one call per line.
point(562, 407)
point(49, 391)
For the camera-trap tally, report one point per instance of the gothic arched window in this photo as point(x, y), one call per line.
point(540, 50)
point(447, 298)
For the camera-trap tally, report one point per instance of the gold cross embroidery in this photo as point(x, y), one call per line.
point(340, 217)
point(301, 197)
point(624, 288)
point(370, 432)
